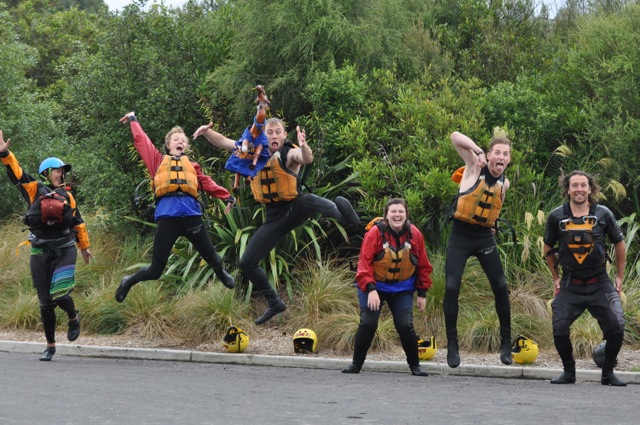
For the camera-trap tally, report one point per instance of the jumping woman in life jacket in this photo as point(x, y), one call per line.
point(479, 202)
point(575, 239)
point(55, 228)
point(176, 184)
point(393, 264)
point(277, 186)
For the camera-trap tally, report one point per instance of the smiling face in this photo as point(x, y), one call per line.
point(276, 135)
point(176, 142)
point(498, 159)
point(396, 216)
point(56, 177)
point(579, 189)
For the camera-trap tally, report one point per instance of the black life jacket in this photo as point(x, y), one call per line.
point(50, 209)
point(578, 248)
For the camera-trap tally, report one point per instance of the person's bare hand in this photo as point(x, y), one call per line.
point(125, 119)
point(482, 160)
point(4, 146)
point(201, 130)
point(373, 301)
point(86, 255)
point(302, 136)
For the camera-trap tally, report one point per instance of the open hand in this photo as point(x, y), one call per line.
point(302, 136)
point(4, 146)
point(125, 119)
point(202, 129)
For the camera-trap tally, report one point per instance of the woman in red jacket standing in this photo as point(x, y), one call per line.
point(393, 265)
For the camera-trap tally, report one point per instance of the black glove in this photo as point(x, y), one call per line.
point(230, 200)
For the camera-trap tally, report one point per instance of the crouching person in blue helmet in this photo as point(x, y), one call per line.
point(176, 183)
point(574, 239)
point(393, 264)
point(56, 227)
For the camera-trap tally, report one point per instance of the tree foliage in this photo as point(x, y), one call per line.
point(379, 85)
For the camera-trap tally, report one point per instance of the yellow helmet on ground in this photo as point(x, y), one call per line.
point(305, 341)
point(524, 350)
point(427, 349)
point(235, 340)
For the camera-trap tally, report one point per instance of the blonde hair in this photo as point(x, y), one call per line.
point(500, 137)
point(275, 121)
point(174, 130)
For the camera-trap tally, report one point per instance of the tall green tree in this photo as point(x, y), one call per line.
point(151, 62)
point(26, 118)
point(282, 43)
point(601, 79)
point(492, 40)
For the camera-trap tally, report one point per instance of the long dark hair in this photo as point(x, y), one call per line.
point(593, 185)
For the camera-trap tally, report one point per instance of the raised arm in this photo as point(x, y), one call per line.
point(302, 155)
point(474, 159)
point(468, 150)
point(215, 138)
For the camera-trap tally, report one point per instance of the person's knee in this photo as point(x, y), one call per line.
point(561, 328)
point(47, 308)
point(247, 263)
point(614, 326)
point(368, 320)
point(499, 286)
point(404, 321)
point(452, 286)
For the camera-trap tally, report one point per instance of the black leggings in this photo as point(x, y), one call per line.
point(45, 263)
point(167, 233)
point(603, 302)
point(291, 215)
point(467, 240)
point(401, 306)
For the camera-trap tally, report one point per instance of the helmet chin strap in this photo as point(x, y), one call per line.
point(47, 181)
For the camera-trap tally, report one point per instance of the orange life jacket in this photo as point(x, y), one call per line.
point(275, 183)
point(394, 264)
point(175, 175)
point(480, 204)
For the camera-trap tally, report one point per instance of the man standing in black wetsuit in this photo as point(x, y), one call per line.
point(579, 228)
point(482, 190)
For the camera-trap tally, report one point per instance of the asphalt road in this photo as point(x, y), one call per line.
point(78, 390)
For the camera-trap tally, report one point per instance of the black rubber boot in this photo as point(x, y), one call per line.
point(505, 351)
point(418, 371)
point(271, 311)
point(610, 378)
point(349, 215)
point(352, 368)
point(568, 376)
point(123, 289)
point(74, 328)
point(48, 354)
point(226, 279)
point(453, 356)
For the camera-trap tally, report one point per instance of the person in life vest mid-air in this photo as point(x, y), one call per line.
point(55, 228)
point(176, 182)
point(575, 239)
point(478, 205)
point(277, 186)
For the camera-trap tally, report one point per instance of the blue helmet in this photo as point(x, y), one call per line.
point(53, 163)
